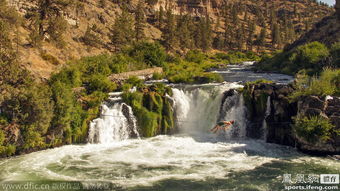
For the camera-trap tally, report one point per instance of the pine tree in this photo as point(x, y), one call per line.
point(122, 32)
point(251, 32)
point(46, 19)
point(160, 17)
point(227, 28)
point(140, 21)
point(207, 34)
point(168, 35)
point(6, 50)
point(261, 40)
point(203, 33)
point(276, 35)
point(184, 35)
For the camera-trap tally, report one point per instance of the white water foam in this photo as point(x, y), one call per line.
point(264, 123)
point(113, 125)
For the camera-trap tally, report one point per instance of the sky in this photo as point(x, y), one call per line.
point(330, 2)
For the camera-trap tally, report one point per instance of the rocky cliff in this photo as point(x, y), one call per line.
point(277, 125)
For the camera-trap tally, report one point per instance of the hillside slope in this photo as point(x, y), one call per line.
point(94, 19)
point(326, 31)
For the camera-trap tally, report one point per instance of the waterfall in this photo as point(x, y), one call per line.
point(264, 123)
point(233, 108)
point(198, 109)
point(116, 123)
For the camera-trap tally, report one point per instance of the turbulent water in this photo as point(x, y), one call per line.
point(194, 159)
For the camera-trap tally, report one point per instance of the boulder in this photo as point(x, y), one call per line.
point(279, 121)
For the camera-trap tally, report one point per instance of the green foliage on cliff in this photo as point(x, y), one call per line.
point(311, 57)
point(152, 108)
point(326, 84)
point(255, 103)
point(313, 129)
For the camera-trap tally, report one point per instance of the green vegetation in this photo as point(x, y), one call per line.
point(314, 129)
point(49, 58)
point(260, 105)
point(327, 84)
point(192, 69)
point(147, 53)
point(236, 57)
point(152, 108)
point(312, 57)
point(25, 104)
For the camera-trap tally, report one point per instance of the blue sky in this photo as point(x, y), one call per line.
point(331, 2)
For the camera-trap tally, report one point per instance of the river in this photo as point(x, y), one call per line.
point(193, 159)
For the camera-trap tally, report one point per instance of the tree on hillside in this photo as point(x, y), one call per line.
point(184, 35)
point(227, 27)
point(140, 21)
point(261, 39)
point(251, 33)
point(276, 35)
point(47, 18)
point(6, 49)
point(9, 22)
point(169, 30)
point(122, 31)
point(204, 34)
point(161, 17)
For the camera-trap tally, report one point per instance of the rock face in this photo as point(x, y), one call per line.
point(278, 122)
point(279, 118)
point(328, 108)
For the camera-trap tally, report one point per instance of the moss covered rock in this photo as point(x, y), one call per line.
point(153, 109)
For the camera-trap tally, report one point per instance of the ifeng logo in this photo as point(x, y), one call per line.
point(329, 178)
point(311, 179)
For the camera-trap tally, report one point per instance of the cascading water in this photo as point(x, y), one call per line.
point(116, 123)
point(233, 108)
point(198, 109)
point(264, 123)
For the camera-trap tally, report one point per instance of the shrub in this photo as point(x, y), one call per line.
point(100, 83)
point(7, 151)
point(327, 84)
point(308, 57)
point(2, 137)
point(49, 58)
point(259, 81)
point(157, 76)
point(90, 38)
point(151, 54)
point(313, 129)
point(196, 56)
point(335, 53)
point(32, 139)
point(121, 63)
point(134, 81)
point(95, 99)
point(68, 75)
